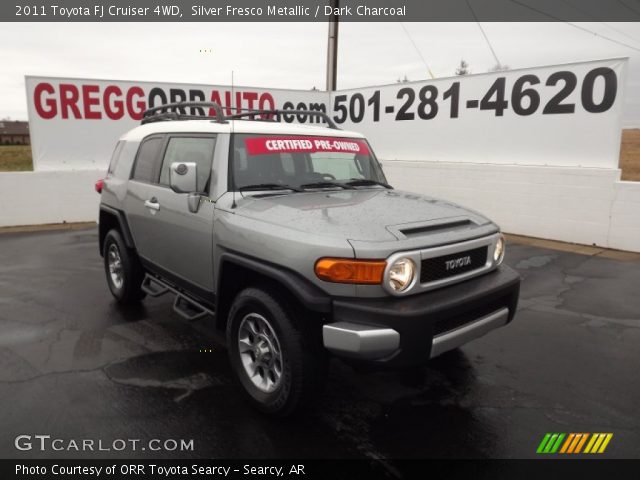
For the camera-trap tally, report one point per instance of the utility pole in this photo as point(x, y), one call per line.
point(332, 48)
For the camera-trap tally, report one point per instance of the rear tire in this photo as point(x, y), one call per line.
point(276, 355)
point(123, 270)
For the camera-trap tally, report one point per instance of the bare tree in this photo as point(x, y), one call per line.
point(463, 68)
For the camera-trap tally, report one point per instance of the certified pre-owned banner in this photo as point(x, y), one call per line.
point(562, 115)
point(297, 144)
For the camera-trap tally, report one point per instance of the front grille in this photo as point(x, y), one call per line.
point(438, 268)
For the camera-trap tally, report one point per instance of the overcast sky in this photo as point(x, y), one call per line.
point(293, 55)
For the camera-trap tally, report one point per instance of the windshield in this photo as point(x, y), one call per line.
point(302, 162)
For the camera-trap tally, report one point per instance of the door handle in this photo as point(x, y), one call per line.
point(152, 204)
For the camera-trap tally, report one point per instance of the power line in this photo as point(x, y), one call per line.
point(416, 49)
point(628, 7)
point(588, 15)
point(484, 34)
point(575, 26)
point(621, 32)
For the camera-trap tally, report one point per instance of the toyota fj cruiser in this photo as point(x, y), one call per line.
point(291, 239)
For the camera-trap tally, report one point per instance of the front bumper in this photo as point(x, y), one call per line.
point(411, 330)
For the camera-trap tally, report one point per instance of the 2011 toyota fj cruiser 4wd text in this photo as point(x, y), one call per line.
point(291, 239)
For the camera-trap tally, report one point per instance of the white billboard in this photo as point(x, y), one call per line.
point(564, 115)
point(561, 115)
point(75, 123)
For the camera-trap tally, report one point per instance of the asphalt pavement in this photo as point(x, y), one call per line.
point(74, 365)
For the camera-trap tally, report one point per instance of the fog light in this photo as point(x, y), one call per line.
point(401, 274)
point(498, 253)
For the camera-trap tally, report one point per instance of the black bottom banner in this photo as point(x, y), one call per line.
point(318, 469)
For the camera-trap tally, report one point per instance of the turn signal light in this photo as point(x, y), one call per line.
point(99, 185)
point(344, 270)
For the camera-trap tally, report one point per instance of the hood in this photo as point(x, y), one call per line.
point(363, 215)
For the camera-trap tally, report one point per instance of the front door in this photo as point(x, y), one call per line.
point(166, 233)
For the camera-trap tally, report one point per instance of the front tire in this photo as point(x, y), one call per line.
point(123, 270)
point(275, 354)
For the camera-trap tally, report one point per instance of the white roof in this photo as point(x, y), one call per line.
point(234, 126)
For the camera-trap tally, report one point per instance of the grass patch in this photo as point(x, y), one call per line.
point(630, 154)
point(15, 158)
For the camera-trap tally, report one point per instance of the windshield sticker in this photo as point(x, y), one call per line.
point(266, 145)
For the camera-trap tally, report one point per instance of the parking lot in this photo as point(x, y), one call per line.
point(73, 365)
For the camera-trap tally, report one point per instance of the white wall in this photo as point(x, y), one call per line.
point(580, 205)
point(624, 230)
point(34, 198)
point(590, 206)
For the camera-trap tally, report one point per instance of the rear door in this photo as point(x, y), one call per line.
point(177, 242)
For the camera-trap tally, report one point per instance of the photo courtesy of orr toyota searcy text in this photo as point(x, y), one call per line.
point(160, 470)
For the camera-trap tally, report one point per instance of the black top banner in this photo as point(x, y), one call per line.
point(320, 11)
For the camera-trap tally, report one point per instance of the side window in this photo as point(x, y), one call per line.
point(148, 158)
point(115, 157)
point(189, 149)
point(125, 159)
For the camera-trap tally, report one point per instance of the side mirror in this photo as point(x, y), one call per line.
point(183, 177)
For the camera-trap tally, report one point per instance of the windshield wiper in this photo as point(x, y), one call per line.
point(325, 185)
point(269, 186)
point(361, 182)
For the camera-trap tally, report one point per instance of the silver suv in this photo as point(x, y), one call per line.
point(290, 240)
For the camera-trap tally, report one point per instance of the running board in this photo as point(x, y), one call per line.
point(154, 287)
point(183, 305)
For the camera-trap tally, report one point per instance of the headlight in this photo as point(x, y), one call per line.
point(498, 253)
point(401, 274)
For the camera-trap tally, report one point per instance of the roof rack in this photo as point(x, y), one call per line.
point(162, 113)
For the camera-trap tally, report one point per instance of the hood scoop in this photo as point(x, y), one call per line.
point(417, 229)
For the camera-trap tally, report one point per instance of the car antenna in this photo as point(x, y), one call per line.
point(233, 180)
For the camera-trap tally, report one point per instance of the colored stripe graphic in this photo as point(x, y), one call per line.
point(605, 443)
point(556, 445)
point(573, 443)
point(590, 444)
point(567, 442)
point(543, 443)
point(581, 443)
point(598, 443)
point(576, 439)
point(551, 443)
